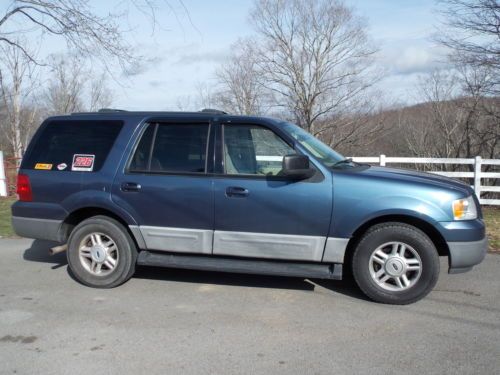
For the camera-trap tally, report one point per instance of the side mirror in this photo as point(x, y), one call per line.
point(297, 167)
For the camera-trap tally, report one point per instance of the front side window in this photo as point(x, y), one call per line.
point(171, 148)
point(254, 150)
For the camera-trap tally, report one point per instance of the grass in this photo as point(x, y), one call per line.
point(5, 226)
point(492, 220)
point(491, 217)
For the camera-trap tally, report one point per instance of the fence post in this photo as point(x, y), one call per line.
point(382, 160)
point(3, 180)
point(477, 176)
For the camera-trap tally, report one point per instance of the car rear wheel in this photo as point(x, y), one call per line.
point(395, 263)
point(101, 253)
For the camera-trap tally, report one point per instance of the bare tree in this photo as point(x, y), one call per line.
point(100, 95)
point(314, 55)
point(76, 23)
point(433, 131)
point(350, 131)
point(241, 89)
point(474, 34)
point(206, 96)
point(73, 87)
point(184, 103)
point(17, 84)
point(65, 87)
point(456, 119)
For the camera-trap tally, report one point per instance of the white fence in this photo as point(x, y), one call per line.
point(3, 179)
point(477, 174)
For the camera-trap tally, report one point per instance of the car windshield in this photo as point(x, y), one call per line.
point(320, 151)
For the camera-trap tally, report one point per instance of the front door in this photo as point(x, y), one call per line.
point(166, 187)
point(259, 213)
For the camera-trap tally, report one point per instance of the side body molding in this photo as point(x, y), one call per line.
point(181, 240)
point(335, 250)
point(268, 245)
point(241, 244)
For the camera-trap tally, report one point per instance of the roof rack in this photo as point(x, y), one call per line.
point(108, 110)
point(210, 110)
point(122, 111)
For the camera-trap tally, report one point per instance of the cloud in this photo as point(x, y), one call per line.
point(197, 57)
point(414, 58)
point(156, 83)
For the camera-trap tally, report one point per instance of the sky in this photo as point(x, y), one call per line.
point(192, 37)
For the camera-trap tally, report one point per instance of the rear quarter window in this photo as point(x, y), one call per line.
point(72, 145)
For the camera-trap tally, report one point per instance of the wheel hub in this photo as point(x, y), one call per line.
point(98, 253)
point(395, 266)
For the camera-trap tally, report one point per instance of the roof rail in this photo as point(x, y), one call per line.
point(107, 110)
point(210, 110)
point(122, 111)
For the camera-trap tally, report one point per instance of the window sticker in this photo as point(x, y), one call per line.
point(83, 162)
point(44, 166)
point(62, 166)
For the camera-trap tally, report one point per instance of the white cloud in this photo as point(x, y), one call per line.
point(410, 57)
point(202, 57)
point(414, 60)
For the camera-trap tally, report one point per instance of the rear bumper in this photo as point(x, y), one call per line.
point(465, 255)
point(42, 229)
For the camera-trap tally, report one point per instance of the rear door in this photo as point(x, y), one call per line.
point(166, 187)
point(260, 214)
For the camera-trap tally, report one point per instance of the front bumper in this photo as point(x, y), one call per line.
point(465, 255)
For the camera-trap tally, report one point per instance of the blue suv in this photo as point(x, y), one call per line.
point(211, 191)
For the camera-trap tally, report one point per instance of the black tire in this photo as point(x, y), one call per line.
point(126, 252)
point(381, 234)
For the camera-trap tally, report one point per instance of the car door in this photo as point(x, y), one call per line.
point(259, 213)
point(165, 186)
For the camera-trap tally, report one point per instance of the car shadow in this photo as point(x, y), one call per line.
point(346, 286)
point(39, 252)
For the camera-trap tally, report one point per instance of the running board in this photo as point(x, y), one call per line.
point(238, 265)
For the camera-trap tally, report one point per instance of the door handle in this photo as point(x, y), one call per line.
point(236, 191)
point(130, 187)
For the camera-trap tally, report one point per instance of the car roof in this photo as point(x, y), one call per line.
point(206, 114)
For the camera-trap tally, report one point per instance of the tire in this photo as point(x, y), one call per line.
point(405, 274)
point(92, 258)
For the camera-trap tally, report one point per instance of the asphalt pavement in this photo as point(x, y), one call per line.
point(190, 322)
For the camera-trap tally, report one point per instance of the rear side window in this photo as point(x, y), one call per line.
point(73, 145)
point(171, 148)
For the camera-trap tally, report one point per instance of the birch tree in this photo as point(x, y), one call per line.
point(18, 82)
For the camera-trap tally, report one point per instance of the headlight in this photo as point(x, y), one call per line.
point(464, 209)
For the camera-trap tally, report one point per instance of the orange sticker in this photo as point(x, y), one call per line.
point(44, 166)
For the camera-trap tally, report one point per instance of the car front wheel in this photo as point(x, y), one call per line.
point(395, 263)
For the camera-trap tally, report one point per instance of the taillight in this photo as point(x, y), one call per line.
point(24, 188)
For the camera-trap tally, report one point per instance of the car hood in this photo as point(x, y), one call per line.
point(418, 177)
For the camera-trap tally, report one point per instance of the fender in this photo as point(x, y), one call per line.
point(366, 210)
point(98, 199)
